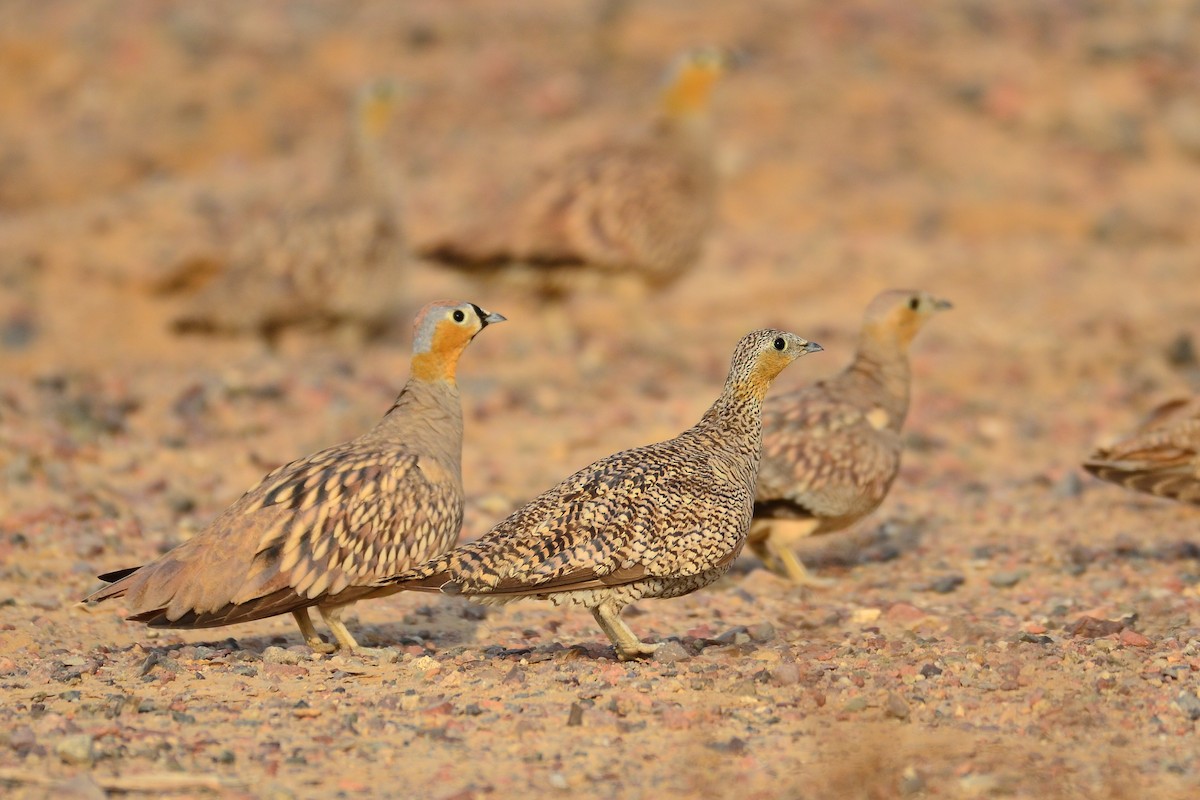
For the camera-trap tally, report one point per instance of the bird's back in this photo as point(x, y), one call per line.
point(1161, 458)
point(672, 508)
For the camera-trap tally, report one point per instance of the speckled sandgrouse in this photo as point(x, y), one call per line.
point(1162, 457)
point(656, 521)
point(832, 450)
point(331, 264)
point(642, 204)
point(322, 530)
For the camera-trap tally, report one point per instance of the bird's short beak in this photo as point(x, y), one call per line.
point(492, 317)
point(942, 305)
point(812, 347)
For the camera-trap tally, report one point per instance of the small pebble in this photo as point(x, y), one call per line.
point(277, 655)
point(1189, 704)
point(670, 652)
point(762, 632)
point(786, 674)
point(947, 583)
point(1007, 578)
point(76, 750)
point(896, 706)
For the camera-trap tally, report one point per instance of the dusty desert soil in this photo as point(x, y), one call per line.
point(1037, 163)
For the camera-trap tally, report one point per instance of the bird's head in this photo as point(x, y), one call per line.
point(690, 81)
point(898, 314)
point(441, 331)
point(760, 357)
point(374, 105)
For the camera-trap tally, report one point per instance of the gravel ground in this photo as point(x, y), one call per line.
point(1004, 626)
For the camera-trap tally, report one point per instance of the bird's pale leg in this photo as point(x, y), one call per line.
point(781, 559)
point(311, 637)
point(333, 618)
point(628, 645)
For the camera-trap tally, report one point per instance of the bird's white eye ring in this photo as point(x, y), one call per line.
point(779, 343)
point(458, 315)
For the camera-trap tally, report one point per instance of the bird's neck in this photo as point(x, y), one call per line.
point(370, 168)
point(881, 368)
point(735, 420)
point(428, 414)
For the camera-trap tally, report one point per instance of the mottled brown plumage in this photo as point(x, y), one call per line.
point(832, 450)
point(322, 530)
point(1161, 458)
point(642, 204)
point(333, 263)
point(656, 521)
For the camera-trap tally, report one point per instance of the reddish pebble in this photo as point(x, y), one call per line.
point(904, 614)
point(1133, 639)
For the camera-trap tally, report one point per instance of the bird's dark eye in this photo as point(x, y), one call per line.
point(914, 303)
point(459, 316)
point(779, 343)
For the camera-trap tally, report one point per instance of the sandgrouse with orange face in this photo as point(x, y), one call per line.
point(640, 205)
point(1162, 457)
point(832, 450)
point(661, 520)
point(322, 530)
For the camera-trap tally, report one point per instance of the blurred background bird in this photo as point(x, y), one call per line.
point(640, 204)
point(1162, 457)
point(832, 450)
point(331, 262)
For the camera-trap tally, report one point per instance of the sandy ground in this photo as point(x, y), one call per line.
point(1002, 626)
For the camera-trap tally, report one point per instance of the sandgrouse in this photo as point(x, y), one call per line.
point(322, 530)
point(832, 450)
point(335, 263)
point(660, 520)
point(1162, 457)
point(642, 204)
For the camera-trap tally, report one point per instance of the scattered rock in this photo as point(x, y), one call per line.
point(947, 583)
point(1035, 638)
point(905, 614)
point(786, 674)
point(1069, 486)
point(1131, 638)
point(1189, 704)
point(931, 670)
point(736, 635)
point(558, 781)
point(1007, 578)
point(671, 651)
point(76, 750)
point(734, 746)
point(896, 707)
point(1091, 628)
point(762, 632)
point(911, 781)
point(22, 740)
point(277, 655)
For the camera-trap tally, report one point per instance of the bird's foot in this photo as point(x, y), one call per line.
point(636, 649)
point(319, 645)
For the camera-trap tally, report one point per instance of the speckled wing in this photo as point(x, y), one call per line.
point(1162, 458)
point(823, 457)
point(313, 530)
point(617, 522)
point(344, 517)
